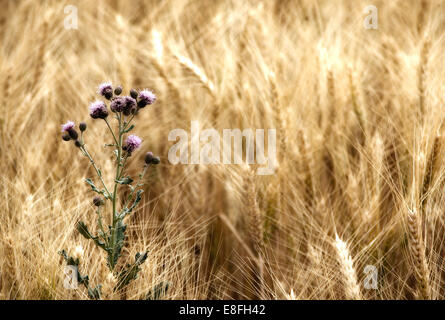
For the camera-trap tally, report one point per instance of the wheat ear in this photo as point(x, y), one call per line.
point(188, 64)
point(255, 229)
point(431, 167)
point(417, 249)
point(352, 288)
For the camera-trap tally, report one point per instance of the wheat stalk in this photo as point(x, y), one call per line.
point(422, 76)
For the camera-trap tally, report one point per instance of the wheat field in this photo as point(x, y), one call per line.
point(360, 148)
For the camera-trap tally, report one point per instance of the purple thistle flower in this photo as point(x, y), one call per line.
point(129, 105)
point(105, 89)
point(118, 104)
point(68, 126)
point(132, 143)
point(146, 97)
point(98, 109)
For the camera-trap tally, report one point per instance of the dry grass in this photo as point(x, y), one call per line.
point(358, 115)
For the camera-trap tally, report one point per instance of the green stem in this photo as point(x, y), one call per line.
point(99, 222)
point(118, 166)
point(111, 130)
point(99, 174)
point(141, 176)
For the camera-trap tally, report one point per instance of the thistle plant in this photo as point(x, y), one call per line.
point(111, 238)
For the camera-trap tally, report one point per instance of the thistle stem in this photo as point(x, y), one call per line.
point(99, 222)
point(141, 176)
point(111, 130)
point(99, 174)
point(118, 166)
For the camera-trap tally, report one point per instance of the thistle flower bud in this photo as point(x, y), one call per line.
point(133, 93)
point(66, 137)
point(98, 110)
point(106, 90)
point(149, 157)
point(132, 143)
point(146, 97)
point(118, 90)
point(82, 126)
point(77, 143)
point(118, 104)
point(98, 201)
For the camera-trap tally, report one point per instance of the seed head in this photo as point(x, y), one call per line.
point(82, 126)
point(98, 110)
point(146, 97)
point(132, 143)
point(106, 90)
point(118, 104)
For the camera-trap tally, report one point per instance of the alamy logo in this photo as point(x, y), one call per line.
point(70, 281)
point(371, 279)
point(71, 20)
point(371, 20)
point(210, 151)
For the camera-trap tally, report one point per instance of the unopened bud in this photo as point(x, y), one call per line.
point(77, 143)
point(134, 94)
point(149, 157)
point(66, 137)
point(98, 201)
point(118, 90)
point(156, 160)
point(82, 126)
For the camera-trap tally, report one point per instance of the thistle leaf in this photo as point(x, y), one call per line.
point(129, 129)
point(131, 271)
point(158, 291)
point(115, 252)
point(95, 293)
point(125, 180)
point(83, 230)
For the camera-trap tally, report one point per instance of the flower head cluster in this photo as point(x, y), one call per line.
point(98, 110)
point(122, 106)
